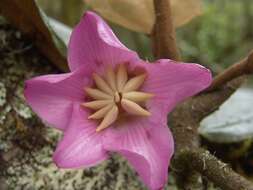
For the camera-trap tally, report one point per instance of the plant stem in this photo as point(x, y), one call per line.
point(164, 40)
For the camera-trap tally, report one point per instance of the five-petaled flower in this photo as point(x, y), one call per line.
point(112, 101)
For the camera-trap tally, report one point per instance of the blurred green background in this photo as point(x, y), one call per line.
point(218, 38)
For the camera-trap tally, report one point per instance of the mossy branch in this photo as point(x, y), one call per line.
point(216, 171)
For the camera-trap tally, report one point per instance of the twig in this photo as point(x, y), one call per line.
point(164, 40)
point(206, 103)
point(186, 117)
point(243, 67)
point(216, 171)
point(185, 121)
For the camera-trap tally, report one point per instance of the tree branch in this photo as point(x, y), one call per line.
point(194, 110)
point(164, 40)
point(216, 171)
point(243, 67)
point(185, 121)
point(206, 103)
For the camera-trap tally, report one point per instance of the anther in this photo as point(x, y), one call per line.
point(114, 90)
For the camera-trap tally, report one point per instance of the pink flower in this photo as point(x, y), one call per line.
point(112, 101)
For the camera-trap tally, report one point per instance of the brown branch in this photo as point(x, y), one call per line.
point(186, 117)
point(216, 171)
point(164, 40)
point(184, 122)
point(243, 67)
point(205, 104)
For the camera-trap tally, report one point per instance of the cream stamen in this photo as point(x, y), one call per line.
point(101, 113)
point(101, 84)
point(134, 83)
point(121, 77)
point(97, 94)
point(97, 104)
point(116, 90)
point(110, 118)
point(111, 78)
point(133, 108)
point(137, 96)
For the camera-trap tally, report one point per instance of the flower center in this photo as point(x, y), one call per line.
point(116, 94)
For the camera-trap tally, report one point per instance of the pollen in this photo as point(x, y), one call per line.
point(116, 94)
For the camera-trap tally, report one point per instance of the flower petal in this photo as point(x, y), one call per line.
point(81, 145)
point(172, 82)
point(51, 96)
point(92, 42)
point(149, 151)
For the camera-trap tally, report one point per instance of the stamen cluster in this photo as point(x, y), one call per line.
point(114, 94)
